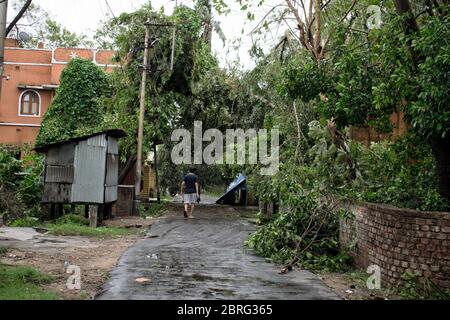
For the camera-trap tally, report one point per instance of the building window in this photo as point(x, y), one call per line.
point(30, 104)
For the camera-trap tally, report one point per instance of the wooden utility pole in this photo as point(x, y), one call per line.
point(138, 178)
point(145, 69)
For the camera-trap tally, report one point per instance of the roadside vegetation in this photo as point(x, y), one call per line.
point(71, 225)
point(154, 210)
point(358, 80)
point(24, 283)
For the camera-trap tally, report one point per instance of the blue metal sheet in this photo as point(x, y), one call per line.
point(235, 185)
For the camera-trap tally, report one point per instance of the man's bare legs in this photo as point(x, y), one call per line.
point(192, 211)
point(189, 213)
point(186, 206)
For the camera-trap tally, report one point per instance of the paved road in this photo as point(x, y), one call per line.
point(204, 258)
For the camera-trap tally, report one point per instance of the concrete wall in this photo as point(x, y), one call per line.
point(399, 241)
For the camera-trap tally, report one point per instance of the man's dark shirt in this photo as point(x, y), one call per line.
point(189, 182)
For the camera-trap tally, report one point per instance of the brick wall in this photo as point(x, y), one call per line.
point(399, 241)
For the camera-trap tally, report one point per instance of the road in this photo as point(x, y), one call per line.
point(205, 258)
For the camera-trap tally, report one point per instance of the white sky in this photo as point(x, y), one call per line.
point(84, 16)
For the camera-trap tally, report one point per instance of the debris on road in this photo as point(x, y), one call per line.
point(143, 280)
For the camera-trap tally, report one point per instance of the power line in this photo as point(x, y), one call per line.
point(100, 6)
point(109, 7)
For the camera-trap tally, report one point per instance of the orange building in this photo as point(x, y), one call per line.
point(30, 79)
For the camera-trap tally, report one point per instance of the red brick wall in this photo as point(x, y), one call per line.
point(399, 241)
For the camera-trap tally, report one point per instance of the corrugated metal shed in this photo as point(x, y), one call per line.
point(82, 170)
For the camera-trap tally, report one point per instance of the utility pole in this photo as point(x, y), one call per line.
point(147, 47)
point(3, 17)
point(138, 178)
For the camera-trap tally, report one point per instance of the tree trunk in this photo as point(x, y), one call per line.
point(410, 26)
point(441, 152)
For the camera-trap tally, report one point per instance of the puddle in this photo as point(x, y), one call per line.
point(40, 230)
point(200, 277)
point(50, 241)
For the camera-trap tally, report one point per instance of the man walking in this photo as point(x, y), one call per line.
point(190, 193)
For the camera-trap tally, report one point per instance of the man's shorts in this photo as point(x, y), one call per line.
point(189, 198)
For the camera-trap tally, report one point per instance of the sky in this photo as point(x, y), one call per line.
point(84, 16)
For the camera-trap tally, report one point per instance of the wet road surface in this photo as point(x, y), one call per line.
point(204, 258)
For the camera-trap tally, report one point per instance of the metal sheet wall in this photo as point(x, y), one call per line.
point(89, 163)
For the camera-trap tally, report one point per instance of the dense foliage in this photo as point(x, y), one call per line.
point(76, 109)
point(305, 232)
point(20, 185)
point(363, 77)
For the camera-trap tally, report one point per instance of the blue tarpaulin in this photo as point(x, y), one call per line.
point(238, 183)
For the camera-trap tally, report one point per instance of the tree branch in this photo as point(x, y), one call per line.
point(19, 16)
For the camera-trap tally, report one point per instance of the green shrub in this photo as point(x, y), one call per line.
point(73, 219)
point(25, 222)
point(414, 289)
point(20, 184)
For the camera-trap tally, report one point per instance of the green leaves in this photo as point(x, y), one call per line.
point(20, 184)
point(76, 110)
point(430, 111)
point(302, 79)
point(304, 233)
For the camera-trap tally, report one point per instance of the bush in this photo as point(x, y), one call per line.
point(20, 184)
point(76, 110)
point(25, 222)
point(413, 289)
point(73, 219)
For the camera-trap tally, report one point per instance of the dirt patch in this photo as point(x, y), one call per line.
point(95, 257)
point(129, 222)
point(352, 287)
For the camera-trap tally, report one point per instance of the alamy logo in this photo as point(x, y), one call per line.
point(374, 21)
point(236, 151)
point(374, 280)
point(74, 280)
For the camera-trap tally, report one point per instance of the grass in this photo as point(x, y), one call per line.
point(69, 229)
point(153, 209)
point(72, 225)
point(412, 289)
point(25, 222)
point(3, 251)
point(24, 283)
